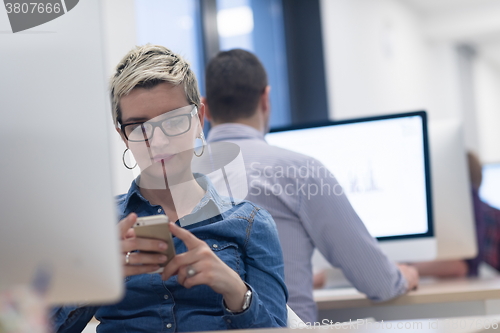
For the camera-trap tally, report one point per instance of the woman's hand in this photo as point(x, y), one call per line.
point(139, 263)
point(206, 268)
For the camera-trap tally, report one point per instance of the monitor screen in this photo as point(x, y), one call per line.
point(382, 165)
point(489, 192)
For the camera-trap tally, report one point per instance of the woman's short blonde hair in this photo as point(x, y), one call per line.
point(147, 66)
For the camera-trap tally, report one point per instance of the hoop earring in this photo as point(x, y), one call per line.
point(125, 163)
point(203, 144)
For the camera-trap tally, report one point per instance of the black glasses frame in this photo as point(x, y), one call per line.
point(156, 124)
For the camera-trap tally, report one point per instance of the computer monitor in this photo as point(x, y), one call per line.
point(489, 191)
point(452, 191)
point(57, 209)
point(382, 164)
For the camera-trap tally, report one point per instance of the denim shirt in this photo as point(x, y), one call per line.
point(244, 236)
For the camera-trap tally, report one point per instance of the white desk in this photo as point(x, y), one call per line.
point(443, 325)
point(433, 299)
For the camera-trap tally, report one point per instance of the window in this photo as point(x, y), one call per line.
point(257, 26)
point(174, 24)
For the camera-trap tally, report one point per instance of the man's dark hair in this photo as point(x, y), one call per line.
point(235, 80)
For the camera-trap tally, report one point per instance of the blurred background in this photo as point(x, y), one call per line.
point(337, 59)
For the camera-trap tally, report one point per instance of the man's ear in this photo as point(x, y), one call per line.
point(125, 141)
point(207, 110)
point(265, 102)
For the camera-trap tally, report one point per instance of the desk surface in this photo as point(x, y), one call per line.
point(444, 325)
point(430, 291)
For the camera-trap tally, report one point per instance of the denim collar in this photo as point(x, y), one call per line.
point(211, 205)
point(233, 131)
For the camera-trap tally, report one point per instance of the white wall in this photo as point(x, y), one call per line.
point(382, 56)
point(376, 58)
point(380, 61)
point(477, 24)
point(487, 92)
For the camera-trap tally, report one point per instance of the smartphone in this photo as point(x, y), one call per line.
point(156, 227)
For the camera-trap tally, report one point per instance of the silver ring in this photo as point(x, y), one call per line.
point(190, 271)
point(127, 258)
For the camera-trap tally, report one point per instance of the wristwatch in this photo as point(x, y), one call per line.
point(247, 299)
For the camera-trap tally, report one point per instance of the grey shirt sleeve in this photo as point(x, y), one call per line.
point(340, 235)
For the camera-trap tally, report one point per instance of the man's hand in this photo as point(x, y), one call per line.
point(411, 275)
point(319, 279)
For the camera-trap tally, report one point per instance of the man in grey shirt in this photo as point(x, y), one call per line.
point(303, 197)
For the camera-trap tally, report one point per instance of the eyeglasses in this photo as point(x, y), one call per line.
point(171, 126)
